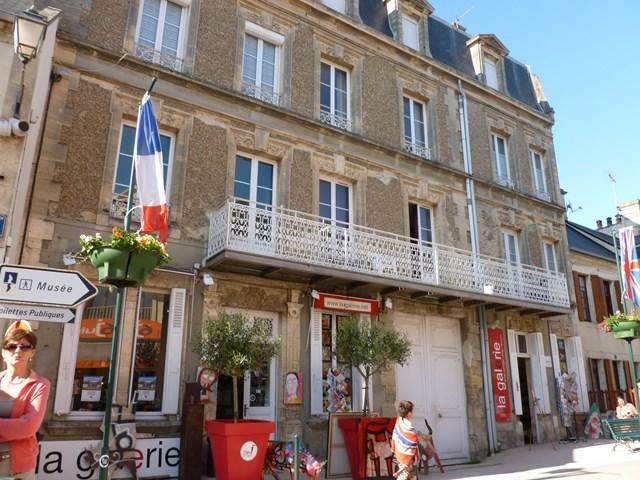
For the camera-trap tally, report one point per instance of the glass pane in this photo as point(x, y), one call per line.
point(242, 182)
point(341, 94)
point(170, 37)
point(325, 211)
point(342, 197)
point(241, 190)
point(337, 382)
point(325, 192)
point(265, 175)
point(325, 74)
point(260, 386)
point(342, 217)
point(340, 80)
point(264, 196)
point(125, 159)
point(425, 225)
point(149, 23)
point(325, 98)
point(250, 61)
point(94, 352)
point(501, 145)
point(165, 143)
point(150, 354)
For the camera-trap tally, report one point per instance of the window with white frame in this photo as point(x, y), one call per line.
point(500, 153)
point(86, 350)
point(334, 96)
point(410, 32)
point(415, 129)
point(122, 177)
point(335, 201)
point(539, 180)
point(421, 224)
point(491, 72)
point(510, 244)
point(261, 63)
point(161, 31)
point(337, 5)
point(550, 256)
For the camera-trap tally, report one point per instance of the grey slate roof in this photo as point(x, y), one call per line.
point(374, 14)
point(590, 242)
point(11, 7)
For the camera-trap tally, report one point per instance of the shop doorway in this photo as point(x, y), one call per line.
point(224, 404)
point(525, 418)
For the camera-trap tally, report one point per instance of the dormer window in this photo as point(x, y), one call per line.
point(410, 32)
point(491, 73)
point(337, 5)
point(487, 53)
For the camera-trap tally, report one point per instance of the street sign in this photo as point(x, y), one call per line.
point(44, 286)
point(36, 313)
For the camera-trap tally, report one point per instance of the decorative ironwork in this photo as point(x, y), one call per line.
point(306, 239)
point(263, 94)
point(542, 195)
point(337, 121)
point(504, 180)
point(119, 207)
point(165, 59)
point(417, 149)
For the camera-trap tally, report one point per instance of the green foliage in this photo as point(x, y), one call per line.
point(232, 344)
point(615, 319)
point(123, 240)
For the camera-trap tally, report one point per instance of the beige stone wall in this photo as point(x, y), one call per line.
point(380, 106)
point(384, 211)
point(303, 71)
point(302, 184)
point(106, 22)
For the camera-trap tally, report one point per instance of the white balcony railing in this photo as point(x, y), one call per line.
point(337, 121)
point(161, 58)
point(263, 94)
point(504, 180)
point(542, 195)
point(301, 238)
point(417, 149)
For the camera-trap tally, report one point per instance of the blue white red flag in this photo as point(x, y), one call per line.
point(149, 172)
point(630, 266)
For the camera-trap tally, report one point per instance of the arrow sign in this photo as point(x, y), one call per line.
point(36, 313)
point(44, 286)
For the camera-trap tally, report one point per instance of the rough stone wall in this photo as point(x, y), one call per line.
point(521, 163)
point(301, 182)
point(216, 43)
point(479, 139)
point(532, 253)
point(443, 136)
point(106, 23)
point(205, 178)
point(302, 71)
point(70, 18)
point(86, 139)
point(380, 101)
point(385, 210)
point(488, 231)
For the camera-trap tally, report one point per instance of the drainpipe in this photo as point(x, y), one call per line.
point(475, 249)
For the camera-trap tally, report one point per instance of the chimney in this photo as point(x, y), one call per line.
point(599, 224)
point(609, 222)
point(618, 218)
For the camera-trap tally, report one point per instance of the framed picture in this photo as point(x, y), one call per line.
point(292, 388)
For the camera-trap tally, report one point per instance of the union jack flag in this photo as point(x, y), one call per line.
point(630, 266)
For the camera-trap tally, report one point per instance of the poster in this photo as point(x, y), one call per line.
point(501, 398)
point(147, 388)
point(293, 388)
point(91, 388)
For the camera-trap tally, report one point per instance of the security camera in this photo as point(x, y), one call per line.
point(13, 126)
point(208, 280)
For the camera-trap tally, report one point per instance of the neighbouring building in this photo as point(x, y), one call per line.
point(324, 159)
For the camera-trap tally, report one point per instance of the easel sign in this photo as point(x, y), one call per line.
point(337, 459)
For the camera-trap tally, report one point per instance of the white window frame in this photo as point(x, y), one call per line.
point(264, 35)
point(333, 183)
point(539, 177)
point(550, 258)
point(337, 5)
point(68, 356)
point(184, 4)
point(413, 41)
point(503, 178)
point(491, 75)
point(419, 223)
point(332, 88)
point(506, 234)
point(412, 146)
point(253, 179)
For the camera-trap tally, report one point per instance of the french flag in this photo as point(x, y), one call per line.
point(630, 266)
point(149, 176)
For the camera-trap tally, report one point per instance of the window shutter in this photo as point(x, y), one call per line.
point(538, 372)
point(315, 334)
point(622, 379)
point(515, 376)
point(608, 369)
point(579, 299)
point(575, 364)
point(618, 301)
point(598, 298)
point(67, 365)
point(555, 356)
point(173, 361)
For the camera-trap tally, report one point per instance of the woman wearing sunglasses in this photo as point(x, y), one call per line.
point(23, 401)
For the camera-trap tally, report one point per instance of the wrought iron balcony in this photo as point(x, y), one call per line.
point(337, 121)
point(542, 195)
point(417, 149)
point(165, 59)
point(504, 180)
point(301, 240)
point(263, 94)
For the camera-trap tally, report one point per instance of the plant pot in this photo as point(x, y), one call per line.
point(123, 268)
point(626, 329)
point(239, 448)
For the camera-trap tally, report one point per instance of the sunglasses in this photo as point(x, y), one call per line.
point(12, 347)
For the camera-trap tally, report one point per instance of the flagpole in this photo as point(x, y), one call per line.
point(104, 461)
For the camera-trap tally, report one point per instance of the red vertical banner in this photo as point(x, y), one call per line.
point(497, 357)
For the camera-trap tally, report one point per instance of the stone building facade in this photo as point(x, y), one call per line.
point(324, 159)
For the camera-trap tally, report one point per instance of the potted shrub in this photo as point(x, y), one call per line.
point(369, 348)
point(232, 344)
point(125, 259)
point(622, 325)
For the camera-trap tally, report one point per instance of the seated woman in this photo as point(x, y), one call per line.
point(625, 410)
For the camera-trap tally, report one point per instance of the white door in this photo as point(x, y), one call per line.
point(260, 386)
point(434, 382)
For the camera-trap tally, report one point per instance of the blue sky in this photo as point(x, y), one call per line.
point(586, 55)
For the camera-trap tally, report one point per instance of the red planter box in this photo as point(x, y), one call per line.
point(239, 448)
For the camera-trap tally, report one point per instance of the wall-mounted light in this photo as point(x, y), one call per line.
point(315, 295)
point(208, 279)
point(28, 33)
point(388, 303)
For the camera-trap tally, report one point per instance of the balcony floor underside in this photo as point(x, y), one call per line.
point(362, 284)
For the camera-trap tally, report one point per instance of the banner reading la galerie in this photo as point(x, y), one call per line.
point(499, 376)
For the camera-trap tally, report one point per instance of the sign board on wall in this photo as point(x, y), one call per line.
point(349, 304)
point(497, 354)
point(155, 457)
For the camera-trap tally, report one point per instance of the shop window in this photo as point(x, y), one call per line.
point(160, 32)
point(337, 384)
point(124, 165)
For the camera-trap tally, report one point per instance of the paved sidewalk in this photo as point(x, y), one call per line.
point(588, 461)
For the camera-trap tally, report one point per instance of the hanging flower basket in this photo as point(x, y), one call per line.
point(623, 326)
point(126, 259)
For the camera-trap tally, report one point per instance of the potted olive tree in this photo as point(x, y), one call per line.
point(232, 344)
point(369, 348)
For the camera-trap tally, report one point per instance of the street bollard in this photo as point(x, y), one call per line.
point(296, 450)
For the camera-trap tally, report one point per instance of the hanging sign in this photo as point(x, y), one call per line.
point(501, 399)
point(349, 304)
